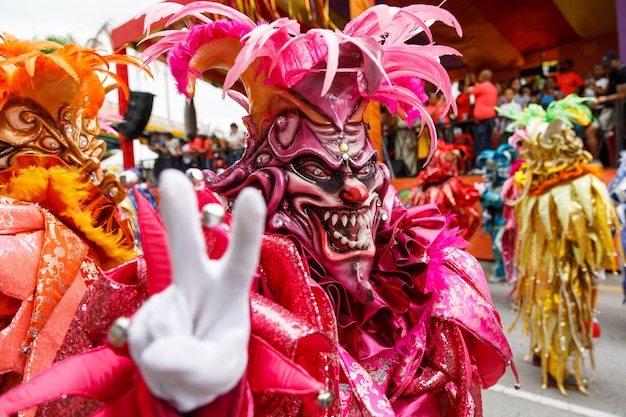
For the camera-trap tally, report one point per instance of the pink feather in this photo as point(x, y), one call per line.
point(407, 105)
point(295, 58)
point(164, 34)
point(402, 62)
point(407, 27)
point(394, 23)
point(369, 23)
point(263, 41)
point(434, 13)
point(156, 13)
point(163, 46)
point(199, 8)
point(332, 57)
point(366, 46)
point(240, 99)
point(183, 45)
point(107, 120)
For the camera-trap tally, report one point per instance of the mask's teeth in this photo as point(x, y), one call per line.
point(367, 218)
point(357, 235)
point(364, 237)
point(344, 220)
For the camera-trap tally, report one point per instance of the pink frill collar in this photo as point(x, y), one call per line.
point(409, 251)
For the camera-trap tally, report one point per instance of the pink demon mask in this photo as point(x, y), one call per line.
point(308, 148)
point(319, 171)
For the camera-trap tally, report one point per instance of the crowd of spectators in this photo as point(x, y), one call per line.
point(479, 95)
point(195, 151)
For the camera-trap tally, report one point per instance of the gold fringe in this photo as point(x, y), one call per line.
point(565, 239)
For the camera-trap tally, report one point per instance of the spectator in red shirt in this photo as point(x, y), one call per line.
point(208, 145)
point(463, 102)
point(567, 80)
point(485, 99)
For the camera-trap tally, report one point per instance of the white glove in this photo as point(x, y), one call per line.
point(480, 187)
point(190, 341)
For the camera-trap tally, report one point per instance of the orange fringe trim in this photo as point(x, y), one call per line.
point(563, 176)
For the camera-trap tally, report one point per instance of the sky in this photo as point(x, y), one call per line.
point(83, 19)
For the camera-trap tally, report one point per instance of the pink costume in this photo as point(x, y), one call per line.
point(359, 305)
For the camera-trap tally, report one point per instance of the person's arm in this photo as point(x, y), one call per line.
point(476, 89)
point(162, 147)
point(620, 94)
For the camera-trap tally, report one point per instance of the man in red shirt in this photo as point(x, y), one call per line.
point(207, 150)
point(485, 99)
point(567, 80)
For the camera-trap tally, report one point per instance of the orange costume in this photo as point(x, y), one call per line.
point(58, 220)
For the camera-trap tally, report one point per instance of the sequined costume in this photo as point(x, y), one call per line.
point(565, 232)
point(439, 183)
point(60, 228)
point(360, 306)
point(497, 165)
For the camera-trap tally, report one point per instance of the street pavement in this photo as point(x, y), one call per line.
point(607, 394)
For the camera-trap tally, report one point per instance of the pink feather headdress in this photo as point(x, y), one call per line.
point(272, 57)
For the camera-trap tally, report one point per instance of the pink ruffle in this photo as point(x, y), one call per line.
point(400, 283)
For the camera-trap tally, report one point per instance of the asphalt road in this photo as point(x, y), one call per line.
point(607, 394)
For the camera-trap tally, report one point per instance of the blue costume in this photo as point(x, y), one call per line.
point(497, 165)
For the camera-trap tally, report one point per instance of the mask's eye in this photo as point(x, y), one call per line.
point(314, 171)
point(366, 170)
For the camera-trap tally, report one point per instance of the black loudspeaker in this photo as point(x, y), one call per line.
point(137, 114)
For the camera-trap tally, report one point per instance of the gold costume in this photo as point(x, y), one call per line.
point(566, 223)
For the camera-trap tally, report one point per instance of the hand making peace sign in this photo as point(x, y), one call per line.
point(191, 340)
